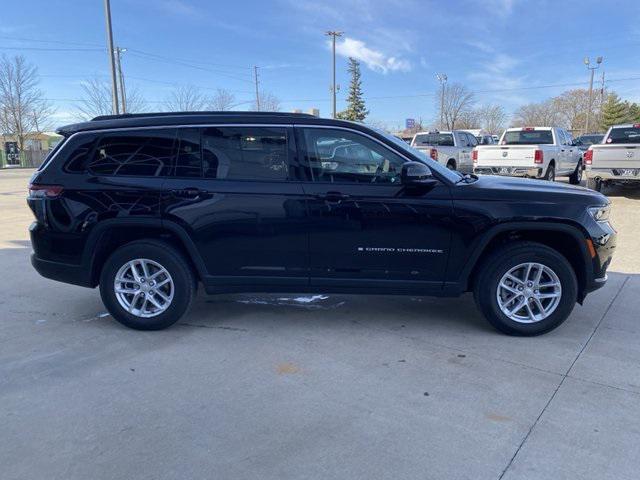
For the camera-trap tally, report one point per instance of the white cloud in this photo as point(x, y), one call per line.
point(373, 59)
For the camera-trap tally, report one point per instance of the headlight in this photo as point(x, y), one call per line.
point(600, 214)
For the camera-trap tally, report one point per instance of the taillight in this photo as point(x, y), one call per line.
point(636, 125)
point(538, 156)
point(474, 156)
point(42, 191)
point(588, 157)
point(433, 153)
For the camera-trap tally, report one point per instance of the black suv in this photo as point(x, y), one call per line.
point(148, 206)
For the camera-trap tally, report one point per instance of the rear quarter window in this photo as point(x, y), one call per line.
point(146, 153)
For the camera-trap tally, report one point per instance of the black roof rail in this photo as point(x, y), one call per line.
point(198, 113)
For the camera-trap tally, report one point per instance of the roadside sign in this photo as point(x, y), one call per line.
point(410, 123)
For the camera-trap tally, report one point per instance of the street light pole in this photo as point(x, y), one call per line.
point(123, 91)
point(333, 34)
point(112, 60)
point(593, 69)
point(442, 78)
point(255, 77)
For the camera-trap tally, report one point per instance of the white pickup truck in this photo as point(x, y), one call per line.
point(537, 152)
point(451, 148)
point(616, 159)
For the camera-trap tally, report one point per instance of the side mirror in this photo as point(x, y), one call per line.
point(416, 174)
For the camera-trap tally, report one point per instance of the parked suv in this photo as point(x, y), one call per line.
point(148, 207)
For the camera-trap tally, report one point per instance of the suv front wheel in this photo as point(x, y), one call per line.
point(526, 288)
point(147, 285)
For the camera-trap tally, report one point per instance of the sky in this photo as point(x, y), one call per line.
point(509, 52)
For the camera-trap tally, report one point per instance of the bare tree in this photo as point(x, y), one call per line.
point(492, 118)
point(23, 108)
point(268, 103)
point(222, 100)
point(186, 98)
point(96, 99)
point(540, 114)
point(572, 107)
point(458, 101)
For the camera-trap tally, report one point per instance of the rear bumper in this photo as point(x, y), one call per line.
point(62, 272)
point(534, 172)
point(617, 174)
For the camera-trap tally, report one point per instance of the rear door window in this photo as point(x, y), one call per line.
point(624, 135)
point(245, 153)
point(144, 153)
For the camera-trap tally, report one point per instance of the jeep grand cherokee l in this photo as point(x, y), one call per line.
point(150, 206)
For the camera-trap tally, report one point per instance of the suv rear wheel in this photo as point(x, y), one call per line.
point(147, 285)
point(526, 289)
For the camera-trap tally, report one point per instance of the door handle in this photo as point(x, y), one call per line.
point(189, 192)
point(332, 197)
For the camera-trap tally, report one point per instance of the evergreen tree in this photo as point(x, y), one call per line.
point(634, 113)
point(356, 110)
point(614, 111)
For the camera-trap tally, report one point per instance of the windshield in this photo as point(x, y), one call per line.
point(438, 139)
point(528, 137)
point(406, 148)
point(625, 135)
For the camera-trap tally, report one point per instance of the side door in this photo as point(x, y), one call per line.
point(233, 190)
point(365, 229)
point(471, 143)
point(574, 152)
point(565, 155)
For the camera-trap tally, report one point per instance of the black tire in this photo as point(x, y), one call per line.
point(550, 174)
point(594, 184)
point(451, 164)
point(576, 177)
point(184, 283)
point(499, 262)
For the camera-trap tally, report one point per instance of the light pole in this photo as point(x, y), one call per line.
point(123, 91)
point(592, 69)
point(442, 78)
point(333, 35)
point(112, 60)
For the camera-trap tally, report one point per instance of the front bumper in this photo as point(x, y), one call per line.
point(530, 172)
point(616, 174)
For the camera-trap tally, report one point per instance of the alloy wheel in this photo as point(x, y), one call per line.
point(529, 292)
point(144, 288)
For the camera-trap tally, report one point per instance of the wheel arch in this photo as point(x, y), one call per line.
point(568, 240)
point(111, 234)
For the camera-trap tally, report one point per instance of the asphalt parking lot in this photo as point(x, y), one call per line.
point(287, 386)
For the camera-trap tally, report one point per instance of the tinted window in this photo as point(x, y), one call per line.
point(590, 139)
point(145, 153)
point(188, 155)
point(79, 149)
point(527, 137)
point(245, 153)
point(343, 156)
point(436, 139)
point(625, 135)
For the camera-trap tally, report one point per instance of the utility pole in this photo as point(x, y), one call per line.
point(592, 69)
point(442, 78)
point(123, 90)
point(255, 76)
point(333, 34)
point(112, 60)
